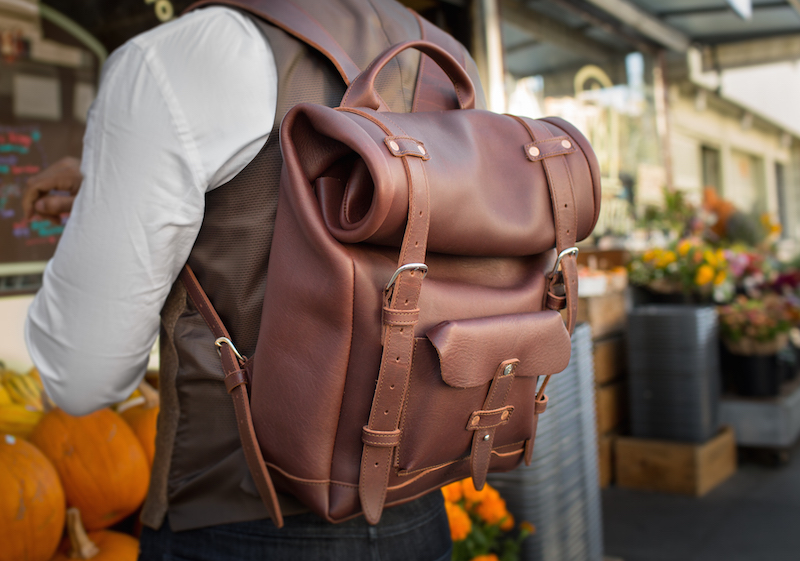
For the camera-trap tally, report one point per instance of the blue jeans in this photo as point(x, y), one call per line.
point(416, 531)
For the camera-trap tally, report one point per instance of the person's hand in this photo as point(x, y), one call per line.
point(52, 191)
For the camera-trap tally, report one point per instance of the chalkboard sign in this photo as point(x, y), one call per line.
point(22, 155)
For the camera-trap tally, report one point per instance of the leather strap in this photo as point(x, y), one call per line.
point(298, 23)
point(236, 382)
point(485, 422)
point(562, 197)
point(400, 300)
point(434, 90)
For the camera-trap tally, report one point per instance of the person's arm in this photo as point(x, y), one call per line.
point(153, 147)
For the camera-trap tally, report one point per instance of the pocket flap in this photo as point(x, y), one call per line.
point(470, 350)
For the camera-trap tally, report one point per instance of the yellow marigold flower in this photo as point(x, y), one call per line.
point(705, 274)
point(649, 255)
point(460, 524)
point(720, 278)
point(721, 257)
point(453, 492)
point(472, 495)
point(684, 247)
point(487, 557)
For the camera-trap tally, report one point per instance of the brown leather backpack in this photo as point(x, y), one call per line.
point(413, 292)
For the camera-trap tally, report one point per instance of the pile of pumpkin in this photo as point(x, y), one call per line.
point(65, 480)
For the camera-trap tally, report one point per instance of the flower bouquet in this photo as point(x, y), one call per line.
point(480, 525)
point(757, 326)
point(688, 267)
point(755, 335)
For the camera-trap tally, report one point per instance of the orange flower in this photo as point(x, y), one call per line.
point(453, 492)
point(493, 510)
point(487, 557)
point(472, 495)
point(720, 278)
point(460, 524)
point(684, 246)
point(526, 526)
point(705, 274)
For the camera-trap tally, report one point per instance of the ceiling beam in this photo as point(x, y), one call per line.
point(750, 53)
point(551, 31)
point(644, 23)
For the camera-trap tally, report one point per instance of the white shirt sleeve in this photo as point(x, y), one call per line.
point(180, 111)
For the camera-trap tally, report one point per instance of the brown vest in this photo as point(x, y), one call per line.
point(200, 477)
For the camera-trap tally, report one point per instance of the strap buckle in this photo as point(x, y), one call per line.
point(228, 342)
point(409, 267)
point(566, 252)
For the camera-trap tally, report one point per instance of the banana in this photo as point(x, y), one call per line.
point(24, 390)
point(18, 420)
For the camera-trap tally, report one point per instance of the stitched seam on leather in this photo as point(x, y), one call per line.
point(518, 447)
point(317, 482)
point(367, 116)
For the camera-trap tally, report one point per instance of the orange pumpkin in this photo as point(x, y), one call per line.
point(31, 503)
point(101, 463)
point(142, 419)
point(104, 545)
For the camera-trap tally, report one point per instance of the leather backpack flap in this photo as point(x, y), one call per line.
point(489, 195)
point(456, 368)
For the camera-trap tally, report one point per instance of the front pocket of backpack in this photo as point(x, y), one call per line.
point(451, 375)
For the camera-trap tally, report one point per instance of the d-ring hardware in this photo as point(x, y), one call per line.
point(409, 267)
point(227, 341)
point(568, 251)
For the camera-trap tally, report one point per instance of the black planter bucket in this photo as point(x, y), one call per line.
point(754, 375)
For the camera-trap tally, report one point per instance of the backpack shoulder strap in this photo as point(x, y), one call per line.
point(296, 22)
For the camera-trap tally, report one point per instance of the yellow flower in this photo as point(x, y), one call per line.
point(453, 492)
point(460, 524)
point(666, 259)
point(710, 257)
point(705, 274)
point(720, 278)
point(684, 247)
point(650, 255)
point(487, 557)
point(721, 257)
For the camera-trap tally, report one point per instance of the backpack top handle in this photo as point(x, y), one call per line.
point(362, 93)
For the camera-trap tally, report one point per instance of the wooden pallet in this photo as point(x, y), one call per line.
point(675, 467)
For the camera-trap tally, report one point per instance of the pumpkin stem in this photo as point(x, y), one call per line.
point(81, 546)
point(150, 395)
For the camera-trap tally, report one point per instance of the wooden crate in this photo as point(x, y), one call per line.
point(610, 361)
point(606, 314)
point(675, 467)
point(610, 404)
point(605, 458)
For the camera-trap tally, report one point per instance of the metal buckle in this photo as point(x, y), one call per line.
point(568, 251)
point(227, 341)
point(409, 267)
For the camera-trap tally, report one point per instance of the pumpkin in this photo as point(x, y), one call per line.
point(104, 545)
point(142, 419)
point(101, 463)
point(31, 503)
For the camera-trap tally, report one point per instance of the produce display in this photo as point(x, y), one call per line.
point(65, 480)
